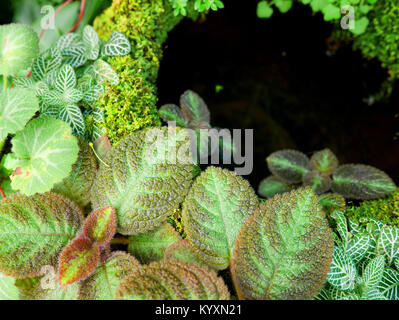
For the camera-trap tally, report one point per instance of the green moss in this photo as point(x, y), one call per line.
point(131, 105)
point(386, 210)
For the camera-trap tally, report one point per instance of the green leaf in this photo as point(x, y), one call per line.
point(373, 272)
point(360, 26)
point(342, 225)
point(75, 55)
point(48, 61)
point(320, 183)
point(68, 40)
point(48, 151)
point(151, 246)
point(104, 281)
point(331, 12)
point(288, 165)
point(54, 292)
point(343, 272)
point(184, 251)
point(104, 73)
point(318, 5)
point(194, 108)
point(357, 181)
point(173, 280)
point(53, 98)
point(141, 179)
point(324, 161)
point(218, 203)
point(264, 10)
point(388, 243)
point(102, 146)
point(19, 45)
point(172, 112)
point(389, 284)
point(117, 45)
point(17, 106)
point(284, 249)
point(100, 225)
point(8, 290)
point(92, 42)
point(34, 231)
point(71, 96)
point(71, 114)
point(77, 185)
point(283, 5)
point(272, 185)
point(66, 79)
point(332, 201)
point(358, 247)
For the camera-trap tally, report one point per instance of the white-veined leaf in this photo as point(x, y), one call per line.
point(372, 273)
point(23, 82)
point(389, 285)
point(8, 290)
point(53, 98)
point(388, 243)
point(75, 55)
point(71, 114)
point(117, 45)
point(67, 40)
point(91, 40)
point(336, 294)
point(357, 247)
point(71, 96)
point(343, 271)
point(104, 73)
point(342, 226)
point(66, 79)
point(48, 61)
point(374, 294)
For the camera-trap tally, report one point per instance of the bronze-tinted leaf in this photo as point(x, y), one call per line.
point(194, 108)
point(272, 185)
point(324, 161)
point(320, 183)
point(100, 225)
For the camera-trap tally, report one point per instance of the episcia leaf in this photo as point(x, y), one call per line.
point(47, 150)
point(145, 177)
point(284, 249)
point(288, 165)
point(49, 60)
point(75, 55)
point(171, 112)
point(194, 108)
point(92, 42)
point(52, 291)
point(343, 271)
point(78, 260)
point(388, 243)
point(184, 251)
point(172, 280)
point(100, 225)
point(389, 284)
point(332, 201)
point(104, 281)
point(34, 230)
point(217, 205)
point(320, 183)
point(71, 114)
point(76, 186)
point(19, 45)
point(17, 106)
point(324, 161)
point(117, 45)
point(357, 181)
point(104, 73)
point(151, 246)
point(66, 79)
point(373, 272)
point(8, 290)
point(102, 146)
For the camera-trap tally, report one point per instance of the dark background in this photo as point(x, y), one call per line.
point(279, 81)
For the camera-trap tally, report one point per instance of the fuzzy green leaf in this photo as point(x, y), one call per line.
point(288, 165)
point(104, 281)
point(194, 108)
point(272, 185)
point(151, 246)
point(54, 292)
point(140, 182)
point(324, 161)
point(34, 231)
point(19, 45)
point(217, 205)
point(100, 225)
point(117, 45)
point(320, 183)
point(48, 150)
point(357, 181)
point(102, 146)
point(171, 112)
point(332, 201)
point(184, 251)
point(17, 106)
point(284, 249)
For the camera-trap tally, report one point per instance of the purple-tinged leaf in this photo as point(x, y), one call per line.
point(288, 165)
point(194, 107)
point(100, 225)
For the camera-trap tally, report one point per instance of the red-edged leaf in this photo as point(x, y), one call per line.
point(100, 225)
point(78, 261)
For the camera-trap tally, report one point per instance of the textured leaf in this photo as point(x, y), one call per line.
point(173, 280)
point(320, 183)
point(100, 225)
point(91, 40)
point(343, 272)
point(358, 247)
point(48, 150)
point(19, 45)
point(182, 250)
point(140, 183)
point(194, 108)
point(284, 249)
point(117, 45)
point(217, 205)
point(78, 261)
point(272, 185)
point(68, 40)
point(388, 243)
point(57, 293)
point(373, 272)
point(8, 290)
point(288, 165)
point(102, 145)
point(77, 185)
point(342, 225)
point(34, 231)
point(171, 112)
point(389, 284)
point(17, 106)
point(66, 79)
point(332, 201)
point(104, 73)
point(98, 121)
point(46, 62)
point(71, 114)
point(151, 246)
point(75, 56)
point(104, 281)
point(357, 181)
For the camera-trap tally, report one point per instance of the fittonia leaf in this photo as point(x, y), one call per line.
point(19, 45)
point(17, 106)
point(117, 45)
point(27, 243)
point(104, 73)
point(92, 42)
point(46, 150)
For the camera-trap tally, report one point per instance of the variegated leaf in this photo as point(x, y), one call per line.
point(324, 161)
point(75, 55)
point(117, 45)
point(48, 61)
point(171, 112)
point(343, 271)
point(388, 243)
point(100, 225)
point(104, 73)
point(184, 251)
point(358, 247)
point(66, 79)
point(92, 42)
point(72, 115)
point(372, 273)
point(68, 40)
point(272, 185)
point(389, 284)
point(72, 96)
point(342, 225)
point(194, 108)
point(53, 98)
